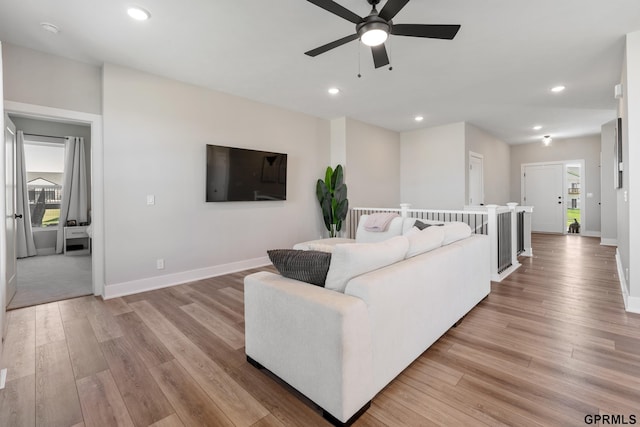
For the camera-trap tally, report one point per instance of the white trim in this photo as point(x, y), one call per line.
point(631, 304)
point(609, 242)
point(159, 282)
point(508, 271)
point(97, 174)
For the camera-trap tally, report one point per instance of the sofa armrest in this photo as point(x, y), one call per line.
point(315, 339)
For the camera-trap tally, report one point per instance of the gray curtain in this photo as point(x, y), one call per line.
point(74, 205)
point(25, 246)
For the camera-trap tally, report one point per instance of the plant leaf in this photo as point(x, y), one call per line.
point(338, 177)
point(327, 178)
point(340, 193)
point(321, 191)
point(341, 210)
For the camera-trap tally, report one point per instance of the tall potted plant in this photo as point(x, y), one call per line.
point(332, 196)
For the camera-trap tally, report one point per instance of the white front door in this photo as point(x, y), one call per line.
point(543, 189)
point(476, 179)
point(10, 207)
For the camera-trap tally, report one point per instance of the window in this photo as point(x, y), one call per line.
point(44, 163)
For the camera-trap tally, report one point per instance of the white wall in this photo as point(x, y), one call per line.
point(372, 168)
point(34, 77)
point(432, 167)
point(609, 208)
point(496, 165)
point(155, 132)
point(587, 148)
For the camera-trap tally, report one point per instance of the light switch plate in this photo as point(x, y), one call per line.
point(151, 199)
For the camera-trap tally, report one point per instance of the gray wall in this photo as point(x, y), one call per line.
point(587, 148)
point(155, 132)
point(372, 165)
point(432, 167)
point(496, 165)
point(628, 205)
point(609, 208)
point(38, 78)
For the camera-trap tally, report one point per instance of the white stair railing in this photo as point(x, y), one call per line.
point(508, 228)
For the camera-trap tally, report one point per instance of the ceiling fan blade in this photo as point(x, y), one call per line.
point(445, 32)
point(380, 58)
point(336, 9)
point(391, 9)
point(322, 49)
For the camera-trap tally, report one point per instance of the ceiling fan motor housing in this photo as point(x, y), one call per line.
point(373, 22)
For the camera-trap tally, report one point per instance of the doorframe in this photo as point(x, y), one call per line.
point(565, 184)
point(97, 175)
point(481, 157)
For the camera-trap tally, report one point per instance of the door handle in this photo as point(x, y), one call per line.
point(16, 216)
point(559, 202)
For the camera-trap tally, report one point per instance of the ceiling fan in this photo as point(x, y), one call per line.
point(374, 29)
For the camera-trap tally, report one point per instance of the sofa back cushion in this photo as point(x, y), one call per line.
point(454, 231)
point(364, 236)
point(353, 259)
point(421, 241)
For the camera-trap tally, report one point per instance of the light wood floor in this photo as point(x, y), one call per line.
point(550, 345)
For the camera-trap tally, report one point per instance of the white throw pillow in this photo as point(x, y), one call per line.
point(421, 241)
point(364, 236)
point(351, 260)
point(454, 231)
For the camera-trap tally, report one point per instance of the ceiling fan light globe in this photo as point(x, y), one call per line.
point(374, 37)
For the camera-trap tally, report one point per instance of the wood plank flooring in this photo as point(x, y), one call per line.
point(549, 346)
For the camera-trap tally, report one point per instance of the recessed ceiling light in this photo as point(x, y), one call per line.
point(558, 89)
point(537, 127)
point(546, 140)
point(419, 118)
point(138, 13)
point(334, 90)
point(50, 27)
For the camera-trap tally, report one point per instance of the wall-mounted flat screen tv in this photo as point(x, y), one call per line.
point(239, 174)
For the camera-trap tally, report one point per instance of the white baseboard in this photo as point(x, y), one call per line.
point(609, 242)
point(588, 233)
point(159, 282)
point(631, 304)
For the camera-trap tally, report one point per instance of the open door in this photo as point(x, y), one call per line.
point(10, 207)
point(3, 237)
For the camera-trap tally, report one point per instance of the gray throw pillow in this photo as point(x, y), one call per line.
point(306, 266)
point(421, 225)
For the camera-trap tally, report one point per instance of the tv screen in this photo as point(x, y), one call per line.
point(239, 174)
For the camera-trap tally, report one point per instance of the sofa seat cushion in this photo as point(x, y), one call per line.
point(351, 260)
point(332, 241)
point(306, 266)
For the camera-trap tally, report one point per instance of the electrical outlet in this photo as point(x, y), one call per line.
point(151, 199)
point(626, 274)
point(160, 264)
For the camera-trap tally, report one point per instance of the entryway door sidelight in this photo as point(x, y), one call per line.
point(543, 189)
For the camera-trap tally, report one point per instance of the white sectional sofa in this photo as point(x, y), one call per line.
point(340, 349)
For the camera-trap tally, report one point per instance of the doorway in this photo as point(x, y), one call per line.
point(44, 274)
point(554, 190)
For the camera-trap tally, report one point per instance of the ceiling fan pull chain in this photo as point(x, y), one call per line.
point(359, 44)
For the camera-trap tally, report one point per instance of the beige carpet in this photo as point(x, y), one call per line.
point(43, 279)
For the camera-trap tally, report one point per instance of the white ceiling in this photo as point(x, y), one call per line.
point(496, 73)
